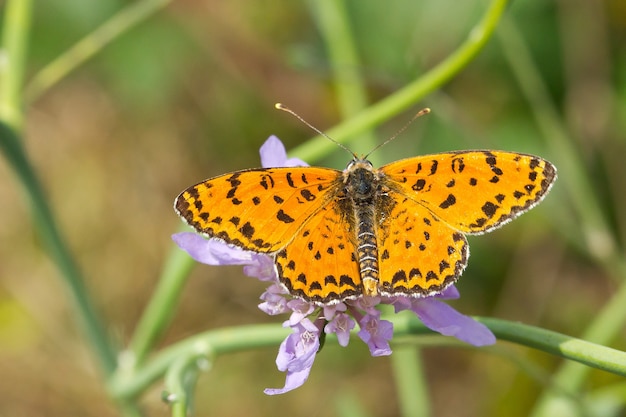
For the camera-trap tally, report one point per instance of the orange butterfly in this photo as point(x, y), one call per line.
point(394, 231)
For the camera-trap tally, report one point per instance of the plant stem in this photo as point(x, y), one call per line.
point(597, 236)
point(235, 339)
point(127, 18)
point(413, 92)
point(333, 24)
point(58, 250)
point(16, 28)
point(162, 305)
point(15, 33)
point(410, 378)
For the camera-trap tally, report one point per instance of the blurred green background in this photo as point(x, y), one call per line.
point(189, 94)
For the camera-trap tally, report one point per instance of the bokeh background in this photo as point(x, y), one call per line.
point(189, 94)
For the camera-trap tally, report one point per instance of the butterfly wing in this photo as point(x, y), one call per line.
point(473, 191)
point(419, 255)
point(259, 210)
point(320, 264)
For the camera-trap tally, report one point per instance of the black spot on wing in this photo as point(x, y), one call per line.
point(346, 280)
point(284, 217)
point(489, 209)
point(330, 280)
point(430, 275)
point(307, 195)
point(419, 185)
point(449, 201)
point(458, 165)
point(247, 230)
point(433, 167)
point(399, 276)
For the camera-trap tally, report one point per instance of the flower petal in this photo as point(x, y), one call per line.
point(262, 267)
point(296, 355)
point(442, 318)
point(376, 333)
point(211, 251)
point(300, 309)
point(341, 325)
point(273, 154)
point(274, 301)
point(293, 380)
point(450, 293)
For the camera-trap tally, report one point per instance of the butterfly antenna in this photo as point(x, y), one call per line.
point(420, 113)
point(281, 106)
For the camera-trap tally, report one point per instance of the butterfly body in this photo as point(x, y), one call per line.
point(396, 230)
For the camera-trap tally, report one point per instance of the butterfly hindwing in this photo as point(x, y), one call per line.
point(319, 265)
point(419, 255)
point(259, 210)
point(473, 191)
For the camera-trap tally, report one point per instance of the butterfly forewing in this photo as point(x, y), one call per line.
point(473, 191)
point(259, 210)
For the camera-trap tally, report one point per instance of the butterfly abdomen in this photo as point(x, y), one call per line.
point(367, 249)
point(362, 190)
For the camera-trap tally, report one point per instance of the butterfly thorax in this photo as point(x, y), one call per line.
point(364, 196)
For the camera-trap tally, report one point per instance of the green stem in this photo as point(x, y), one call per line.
point(582, 351)
point(411, 385)
point(57, 249)
point(597, 235)
point(162, 305)
point(234, 339)
point(179, 381)
point(596, 232)
point(15, 34)
point(125, 385)
point(571, 377)
point(333, 24)
point(127, 18)
point(16, 28)
point(413, 92)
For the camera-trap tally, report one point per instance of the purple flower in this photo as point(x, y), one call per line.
point(296, 355)
point(273, 154)
point(297, 352)
point(274, 300)
point(341, 324)
point(376, 333)
point(443, 319)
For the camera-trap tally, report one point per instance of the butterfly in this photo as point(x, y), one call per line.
point(398, 230)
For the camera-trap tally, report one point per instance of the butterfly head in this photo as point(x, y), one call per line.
point(358, 163)
point(360, 179)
